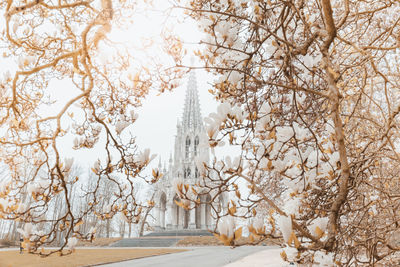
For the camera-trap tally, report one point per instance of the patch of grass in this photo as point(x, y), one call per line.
point(213, 241)
point(81, 257)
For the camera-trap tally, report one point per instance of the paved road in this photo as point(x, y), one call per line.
point(195, 257)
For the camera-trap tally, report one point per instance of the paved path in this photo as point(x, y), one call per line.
point(264, 258)
point(195, 257)
point(163, 241)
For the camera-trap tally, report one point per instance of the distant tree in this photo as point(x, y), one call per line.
point(68, 41)
point(309, 94)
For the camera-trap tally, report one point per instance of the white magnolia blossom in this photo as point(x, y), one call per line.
point(92, 230)
point(7, 76)
point(334, 158)
point(68, 164)
point(72, 242)
point(221, 143)
point(279, 165)
point(300, 132)
point(235, 77)
point(120, 126)
point(78, 142)
point(260, 152)
point(285, 225)
point(232, 164)
point(96, 165)
point(16, 24)
point(212, 127)
point(4, 204)
point(200, 160)
point(219, 165)
point(294, 171)
point(177, 182)
point(204, 22)
point(324, 259)
point(291, 253)
point(265, 108)
point(300, 98)
point(238, 112)
point(37, 186)
point(96, 130)
point(263, 123)
point(313, 158)
point(292, 205)
point(294, 185)
point(214, 120)
point(321, 223)
point(102, 116)
point(123, 217)
point(224, 109)
point(226, 226)
point(134, 116)
point(258, 223)
point(269, 46)
point(309, 61)
point(25, 61)
point(284, 133)
point(144, 157)
point(222, 28)
point(22, 208)
point(107, 208)
point(27, 231)
point(263, 163)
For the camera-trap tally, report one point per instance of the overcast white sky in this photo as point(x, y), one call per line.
point(156, 125)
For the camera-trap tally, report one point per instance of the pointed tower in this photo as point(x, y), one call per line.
point(189, 132)
point(191, 112)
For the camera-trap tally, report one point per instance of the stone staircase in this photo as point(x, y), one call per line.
point(159, 239)
point(190, 232)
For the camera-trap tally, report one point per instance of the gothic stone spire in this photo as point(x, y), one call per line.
point(191, 112)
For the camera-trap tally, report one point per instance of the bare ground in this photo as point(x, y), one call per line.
point(81, 257)
point(97, 242)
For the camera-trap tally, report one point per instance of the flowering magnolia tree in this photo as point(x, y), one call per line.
point(105, 81)
point(309, 94)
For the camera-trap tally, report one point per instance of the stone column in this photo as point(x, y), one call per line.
point(211, 215)
point(181, 217)
point(207, 218)
point(157, 217)
point(162, 218)
point(192, 219)
point(203, 216)
point(168, 217)
point(175, 217)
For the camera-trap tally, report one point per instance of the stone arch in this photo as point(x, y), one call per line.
point(188, 172)
point(187, 147)
point(175, 212)
point(208, 210)
point(196, 144)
